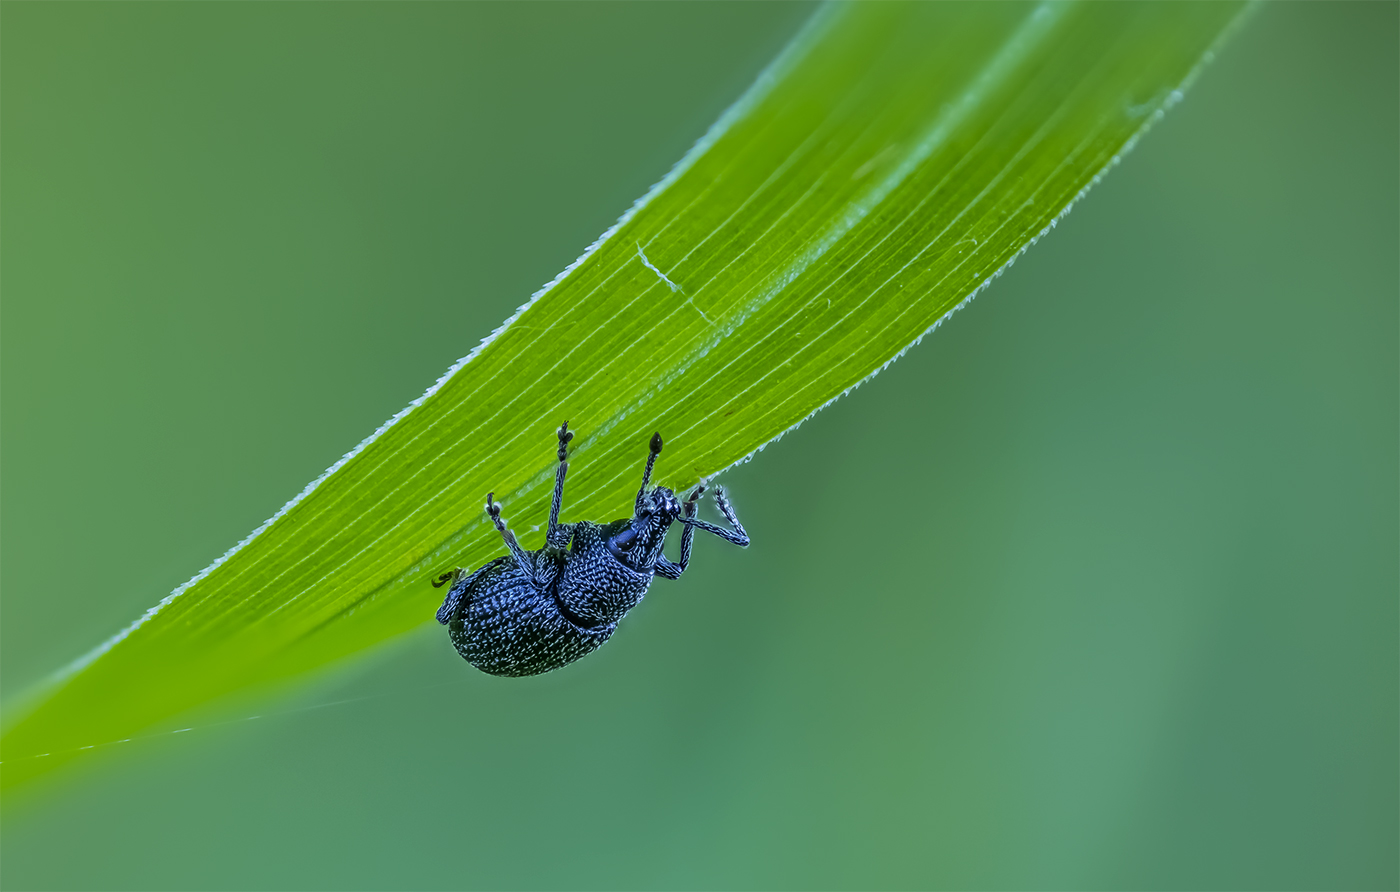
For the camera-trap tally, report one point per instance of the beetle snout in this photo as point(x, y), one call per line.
point(662, 502)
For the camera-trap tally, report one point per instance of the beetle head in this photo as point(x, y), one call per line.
point(637, 542)
point(660, 503)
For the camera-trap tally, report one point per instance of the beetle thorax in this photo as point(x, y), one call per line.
point(637, 542)
point(597, 588)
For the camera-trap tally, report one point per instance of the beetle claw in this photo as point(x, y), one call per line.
point(699, 491)
point(444, 578)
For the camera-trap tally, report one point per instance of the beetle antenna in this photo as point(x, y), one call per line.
point(646, 475)
point(442, 580)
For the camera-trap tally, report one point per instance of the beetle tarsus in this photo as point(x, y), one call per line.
point(565, 435)
point(722, 502)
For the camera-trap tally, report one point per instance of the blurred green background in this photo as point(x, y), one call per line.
point(1095, 588)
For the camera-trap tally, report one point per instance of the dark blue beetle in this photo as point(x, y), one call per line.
point(532, 611)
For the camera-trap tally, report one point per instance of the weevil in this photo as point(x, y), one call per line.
point(532, 611)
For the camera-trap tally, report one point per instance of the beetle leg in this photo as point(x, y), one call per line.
point(722, 502)
point(674, 571)
point(668, 569)
point(558, 536)
point(688, 507)
point(737, 535)
point(522, 557)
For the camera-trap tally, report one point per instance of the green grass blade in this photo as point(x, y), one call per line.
point(879, 174)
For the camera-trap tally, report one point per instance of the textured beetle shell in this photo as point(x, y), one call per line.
point(503, 624)
point(595, 587)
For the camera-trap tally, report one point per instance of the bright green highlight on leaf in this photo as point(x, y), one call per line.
point(880, 173)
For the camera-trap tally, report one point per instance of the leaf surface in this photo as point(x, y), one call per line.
point(890, 163)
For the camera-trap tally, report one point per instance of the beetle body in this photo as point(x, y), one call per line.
point(532, 611)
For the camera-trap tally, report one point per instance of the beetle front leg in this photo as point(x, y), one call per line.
point(737, 535)
point(663, 566)
point(558, 536)
point(522, 557)
point(673, 571)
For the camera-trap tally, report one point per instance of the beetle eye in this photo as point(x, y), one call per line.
point(624, 539)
